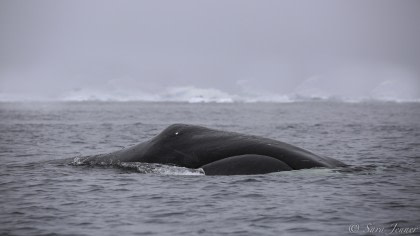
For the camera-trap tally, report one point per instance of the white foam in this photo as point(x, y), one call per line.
point(160, 169)
point(78, 161)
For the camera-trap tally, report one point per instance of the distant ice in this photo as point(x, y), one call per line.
point(309, 90)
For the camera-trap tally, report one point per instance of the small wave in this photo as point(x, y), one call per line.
point(362, 170)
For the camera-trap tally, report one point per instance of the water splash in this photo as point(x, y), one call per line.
point(160, 169)
point(140, 167)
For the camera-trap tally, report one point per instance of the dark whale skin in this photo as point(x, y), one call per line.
point(194, 146)
point(249, 164)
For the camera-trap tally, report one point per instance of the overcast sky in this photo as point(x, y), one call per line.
point(335, 48)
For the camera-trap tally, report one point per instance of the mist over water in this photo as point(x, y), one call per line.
point(209, 51)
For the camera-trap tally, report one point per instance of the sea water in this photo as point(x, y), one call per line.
point(40, 194)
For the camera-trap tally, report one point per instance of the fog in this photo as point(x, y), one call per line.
point(209, 50)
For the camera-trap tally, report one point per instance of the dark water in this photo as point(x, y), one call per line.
point(42, 196)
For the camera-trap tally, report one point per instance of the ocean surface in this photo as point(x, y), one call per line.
point(44, 192)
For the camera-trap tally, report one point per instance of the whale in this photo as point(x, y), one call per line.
point(217, 152)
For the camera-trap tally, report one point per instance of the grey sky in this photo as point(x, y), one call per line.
point(348, 48)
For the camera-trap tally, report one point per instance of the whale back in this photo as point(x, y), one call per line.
point(194, 146)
